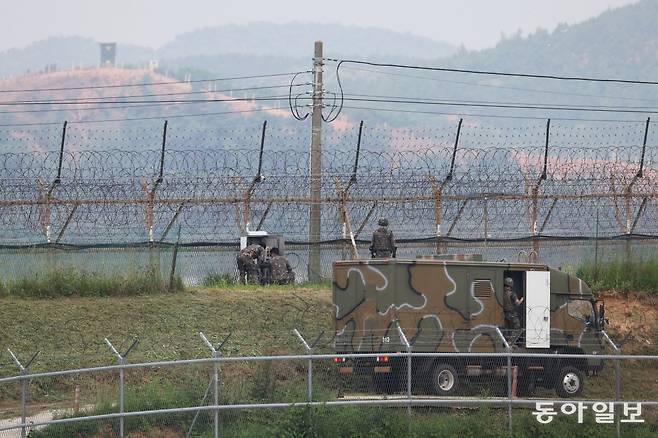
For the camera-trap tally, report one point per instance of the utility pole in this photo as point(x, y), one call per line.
point(315, 209)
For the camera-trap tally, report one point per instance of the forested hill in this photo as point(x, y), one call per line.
point(284, 42)
point(620, 42)
point(296, 39)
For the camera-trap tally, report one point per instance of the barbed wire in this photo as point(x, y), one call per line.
point(114, 185)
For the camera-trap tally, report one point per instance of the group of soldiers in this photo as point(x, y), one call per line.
point(264, 265)
point(258, 265)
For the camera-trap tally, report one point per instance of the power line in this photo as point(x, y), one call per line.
point(493, 73)
point(133, 119)
point(126, 106)
point(502, 105)
point(340, 62)
point(98, 99)
point(450, 101)
point(171, 101)
point(234, 78)
point(504, 87)
point(497, 116)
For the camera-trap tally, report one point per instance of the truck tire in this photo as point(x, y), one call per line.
point(444, 379)
point(569, 382)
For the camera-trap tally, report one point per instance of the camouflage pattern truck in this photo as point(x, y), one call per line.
point(454, 304)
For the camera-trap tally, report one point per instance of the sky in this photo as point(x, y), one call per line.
point(476, 24)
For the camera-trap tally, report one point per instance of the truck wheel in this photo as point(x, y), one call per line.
point(569, 382)
point(443, 379)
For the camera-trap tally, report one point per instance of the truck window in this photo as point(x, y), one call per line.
point(580, 309)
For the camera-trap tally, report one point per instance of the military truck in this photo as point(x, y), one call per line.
point(450, 304)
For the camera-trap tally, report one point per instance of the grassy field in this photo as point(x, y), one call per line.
point(69, 333)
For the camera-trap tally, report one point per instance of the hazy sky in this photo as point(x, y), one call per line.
point(475, 23)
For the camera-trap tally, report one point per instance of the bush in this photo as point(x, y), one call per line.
point(622, 275)
point(68, 282)
point(218, 280)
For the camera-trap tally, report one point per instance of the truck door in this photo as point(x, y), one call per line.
point(538, 309)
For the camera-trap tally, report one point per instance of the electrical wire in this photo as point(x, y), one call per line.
point(504, 87)
point(170, 101)
point(494, 102)
point(502, 106)
point(496, 73)
point(340, 62)
point(96, 99)
point(133, 119)
point(497, 116)
point(126, 106)
point(96, 87)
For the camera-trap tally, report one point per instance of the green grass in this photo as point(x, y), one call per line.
point(226, 281)
point(334, 422)
point(69, 282)
point(69, 331)
point(622, 275)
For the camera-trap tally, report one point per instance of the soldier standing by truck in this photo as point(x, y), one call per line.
point(248, 260)
point(383, 242)
point(510, 301)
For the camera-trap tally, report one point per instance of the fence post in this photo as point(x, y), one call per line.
point(216, 351)
point(172, 272)
point(24, 382)
point(407, 346)
point(617, 381)
point(508, 350)
point(309, 349)
point(121, 360)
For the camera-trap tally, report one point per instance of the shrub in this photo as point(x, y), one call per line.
point(68, 282)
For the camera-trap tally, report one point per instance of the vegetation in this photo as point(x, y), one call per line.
point(332, 422)
point(622, 275)
point(70, 331)
point(69, 282)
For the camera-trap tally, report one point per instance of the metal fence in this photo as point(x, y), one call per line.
point(464, 187)
point(303, 393)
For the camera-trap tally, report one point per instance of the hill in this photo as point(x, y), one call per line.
point(282, 41)
point(64, 53)
point(618, 43)
point(296, 39)
point(109, 78)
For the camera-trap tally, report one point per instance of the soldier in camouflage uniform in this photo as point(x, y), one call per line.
point(281, 271)
point(248, 264)
point(383, 242)
point(510, 301)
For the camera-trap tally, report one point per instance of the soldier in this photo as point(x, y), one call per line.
point(383, 242)
point(510, 301)
point(248, 264)
point(265, 266)
point(281, 271)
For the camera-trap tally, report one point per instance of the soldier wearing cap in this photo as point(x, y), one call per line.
point(510, 301)
point(248, 264)
point(383, 242)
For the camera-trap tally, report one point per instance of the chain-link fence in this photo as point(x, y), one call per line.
point(203, 264)
point(319, 393)
point(105, 199)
